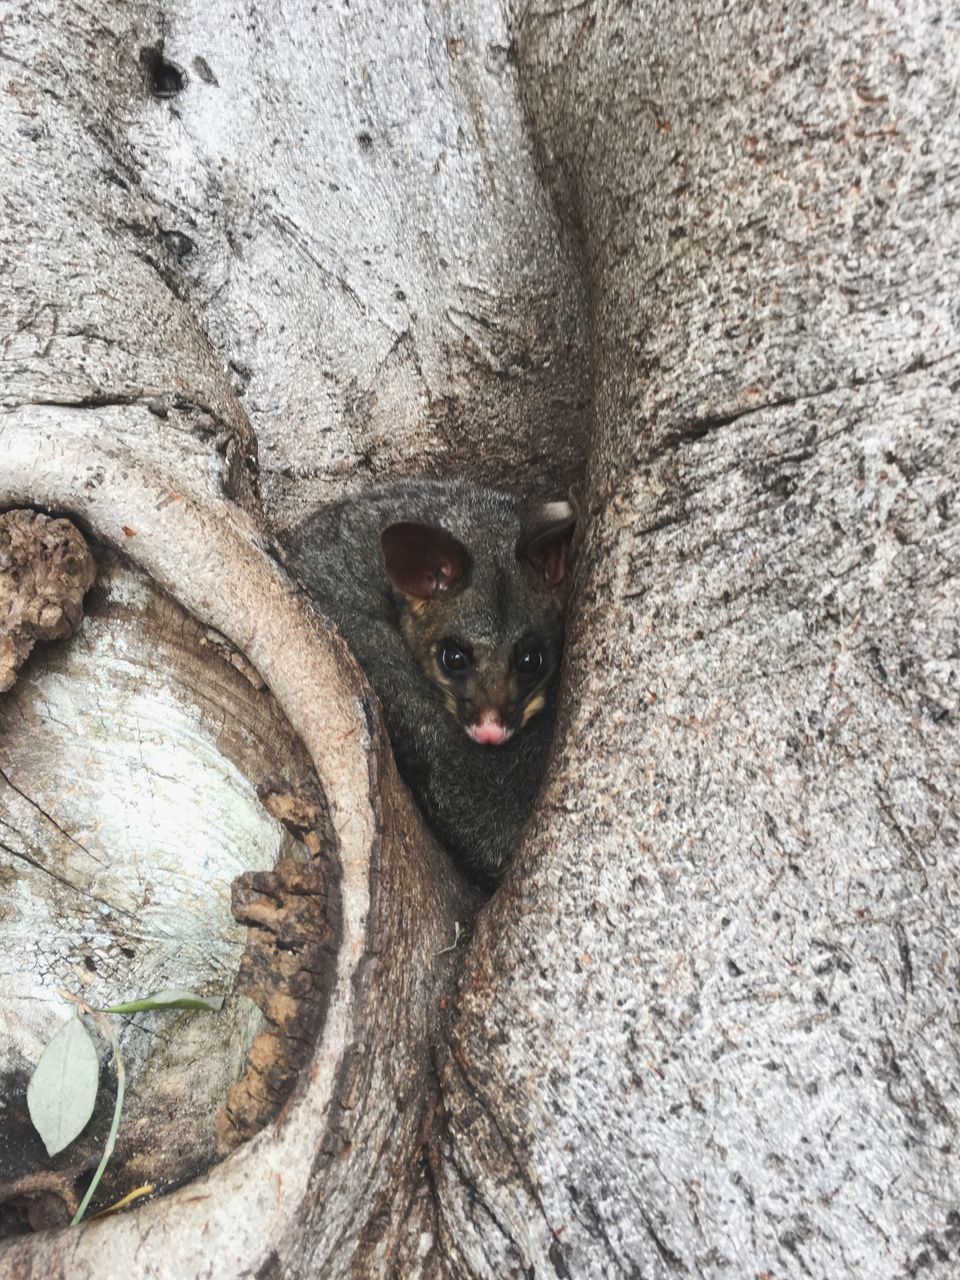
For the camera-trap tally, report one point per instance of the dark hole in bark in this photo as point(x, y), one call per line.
point(179, 244)
point(164, 79)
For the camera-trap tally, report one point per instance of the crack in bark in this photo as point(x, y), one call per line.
point(592, 1220)
point(166, 274)
point(298, 237)
point(118, 401)
point(672, 1260)
point(906, 842)
point(62, 880)
point(91, 401)
point(555, 1252)
point(701, 427)
point(478, 1201)
point(906, 963)
point(50, 818)
point(698, 428)
point(664, 522)
point(426, 1185)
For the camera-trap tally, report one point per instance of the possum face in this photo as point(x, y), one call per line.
point(494, 685)
point(486, 631)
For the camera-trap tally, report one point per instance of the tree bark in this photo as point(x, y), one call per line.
point(708, 1024)
point(722, 1040)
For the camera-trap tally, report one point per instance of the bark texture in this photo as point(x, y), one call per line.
point(707, 1027)
point(147, 453)
point(287, 966)
point(354, 211)
point(720, 1037)
point(368, 1086)
point(129, 762)
point(45, 569)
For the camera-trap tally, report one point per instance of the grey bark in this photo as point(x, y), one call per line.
point(708, 1025)
point(723, 1040)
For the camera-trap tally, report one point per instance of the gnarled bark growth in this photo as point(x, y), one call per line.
point(45, 569)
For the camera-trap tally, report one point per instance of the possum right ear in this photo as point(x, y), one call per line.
point(423, 560)
point(546, 542)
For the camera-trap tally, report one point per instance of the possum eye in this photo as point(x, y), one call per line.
point(529, 661)
point(453, 658)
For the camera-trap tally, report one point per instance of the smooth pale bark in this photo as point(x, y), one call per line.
point(361, 228)
point(129, 761)
point(707, 1026)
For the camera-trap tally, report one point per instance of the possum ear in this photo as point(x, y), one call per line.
point(422, 560)
point(545, 544)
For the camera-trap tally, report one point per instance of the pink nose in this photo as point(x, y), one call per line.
point(488, 728)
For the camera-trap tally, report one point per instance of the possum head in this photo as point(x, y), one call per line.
point(485, 628)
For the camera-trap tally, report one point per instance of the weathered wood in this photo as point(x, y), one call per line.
point(399, 897)
point(129, 761)
point(354, 210)
point(706, 1027)
point(721, 1040)
point(142, 451)
point(45, 568)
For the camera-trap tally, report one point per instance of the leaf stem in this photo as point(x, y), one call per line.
point(106, 1027)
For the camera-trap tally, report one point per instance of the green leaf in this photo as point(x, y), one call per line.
point(170, 998)
point(62, 1091)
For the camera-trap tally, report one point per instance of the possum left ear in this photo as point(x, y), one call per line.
point(545, 544)
point(423, 560)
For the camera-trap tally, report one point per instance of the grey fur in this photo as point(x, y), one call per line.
point(477, 798)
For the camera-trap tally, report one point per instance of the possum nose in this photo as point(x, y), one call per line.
point(488, 728)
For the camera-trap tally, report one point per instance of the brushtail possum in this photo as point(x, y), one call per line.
point(450, 596)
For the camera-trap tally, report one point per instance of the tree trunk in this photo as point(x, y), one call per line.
point(708, 1024)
